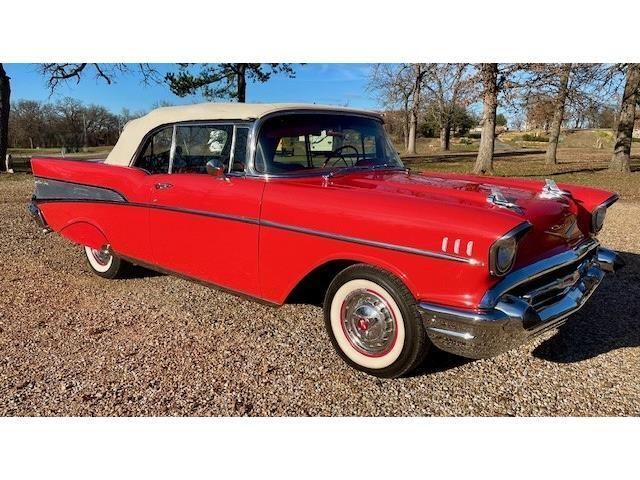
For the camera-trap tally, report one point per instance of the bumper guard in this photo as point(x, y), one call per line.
point(36, 214)
point(525, 304)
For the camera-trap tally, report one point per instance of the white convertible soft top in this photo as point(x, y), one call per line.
point(135, 131)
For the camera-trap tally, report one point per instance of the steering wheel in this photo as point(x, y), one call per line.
point(337, 154)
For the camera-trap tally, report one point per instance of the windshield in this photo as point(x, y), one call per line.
point(307, 143)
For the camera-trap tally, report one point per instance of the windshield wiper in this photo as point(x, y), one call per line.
point(358, 168)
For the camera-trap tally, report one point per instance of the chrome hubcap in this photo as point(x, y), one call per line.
point(368, 322)
point(101, 257)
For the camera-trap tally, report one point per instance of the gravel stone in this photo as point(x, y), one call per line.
point(72, 343)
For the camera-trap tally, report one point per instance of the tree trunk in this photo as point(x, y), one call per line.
point(621, 159)
point(558, 115)
point(5, 94)
point(445, 137)
point(413, 126)
point(405, 123)
point(405, 134)
point(484, 162)
point(242, 83)
point(415, 108)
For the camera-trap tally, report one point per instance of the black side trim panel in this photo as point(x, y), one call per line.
point(49, 189)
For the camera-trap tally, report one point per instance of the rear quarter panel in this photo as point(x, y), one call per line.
point(122, 225)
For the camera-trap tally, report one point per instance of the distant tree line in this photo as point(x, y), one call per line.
point(429, 97)
point(66, 123)
point(425, 98)
point(70, 124)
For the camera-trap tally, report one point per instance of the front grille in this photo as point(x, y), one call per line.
point(552, 286)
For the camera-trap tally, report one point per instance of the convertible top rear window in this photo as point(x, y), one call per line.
point(307, 143)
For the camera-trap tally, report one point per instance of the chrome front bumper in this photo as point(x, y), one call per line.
point(526, 303)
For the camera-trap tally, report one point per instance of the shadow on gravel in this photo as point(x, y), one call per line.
point(609, 320)
point(439, 361)
point(136, 271)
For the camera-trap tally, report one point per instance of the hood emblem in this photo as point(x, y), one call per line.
point(567, 229)
point(497, 198)
point(552, 190)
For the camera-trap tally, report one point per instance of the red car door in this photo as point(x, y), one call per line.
point(203, 226)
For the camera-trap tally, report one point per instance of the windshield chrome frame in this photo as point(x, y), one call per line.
point(257, 126)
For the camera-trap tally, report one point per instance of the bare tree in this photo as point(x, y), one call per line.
point(538, 112)
point(400, 87)
point(393, 87)
point(418, 73)
point(558, 113)
point(490, 89)
point(621, 159)
point(62, 72)
point(449, 85)
point(66, 123)
point(5, 106)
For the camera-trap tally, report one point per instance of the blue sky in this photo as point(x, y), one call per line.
point(330, 83)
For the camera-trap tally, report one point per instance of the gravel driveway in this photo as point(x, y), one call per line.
point(72, 343)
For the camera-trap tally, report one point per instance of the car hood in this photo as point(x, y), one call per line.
point(554, 219)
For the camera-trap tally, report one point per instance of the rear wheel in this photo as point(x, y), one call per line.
point(105, 264)
point(373, 322)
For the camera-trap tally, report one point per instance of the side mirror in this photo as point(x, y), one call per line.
point(215, 168)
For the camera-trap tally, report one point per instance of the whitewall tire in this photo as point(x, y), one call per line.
point(373, 322)
point(105, 264)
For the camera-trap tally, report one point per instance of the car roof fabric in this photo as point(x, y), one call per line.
point(135, 130)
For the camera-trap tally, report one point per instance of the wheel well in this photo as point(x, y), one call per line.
point(312, 288)
point(84, 233)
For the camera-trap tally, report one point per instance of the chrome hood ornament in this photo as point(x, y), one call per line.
point(552, 190)
point(497, 198)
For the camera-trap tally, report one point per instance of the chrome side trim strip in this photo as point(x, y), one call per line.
point(223, 216)
point(369, 243)
point(281, 226)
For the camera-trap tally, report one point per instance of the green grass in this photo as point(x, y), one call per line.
point(29, 152)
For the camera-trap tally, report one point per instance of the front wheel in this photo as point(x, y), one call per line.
point(373, 322)
point(105, 264)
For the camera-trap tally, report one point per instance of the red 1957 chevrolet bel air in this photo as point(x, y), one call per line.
point(282, 201)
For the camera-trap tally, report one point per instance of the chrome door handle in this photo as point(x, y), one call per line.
point(163, 186)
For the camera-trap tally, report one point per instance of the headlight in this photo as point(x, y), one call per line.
point(597, 219)
point(503, 255)
point(598, 214)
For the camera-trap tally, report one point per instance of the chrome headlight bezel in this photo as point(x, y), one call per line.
point(597, 219)
point(599, 213)
point(506, 246)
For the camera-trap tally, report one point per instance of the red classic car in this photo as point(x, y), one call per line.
point(282, 202)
